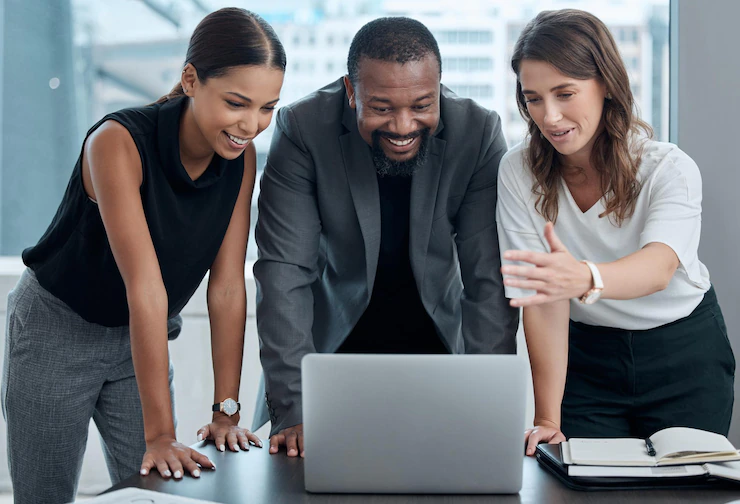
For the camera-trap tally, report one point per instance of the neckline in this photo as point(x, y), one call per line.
point(574, 204)
point(168, 137)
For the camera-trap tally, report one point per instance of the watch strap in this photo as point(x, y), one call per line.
point(218, 407)
point(598, 283)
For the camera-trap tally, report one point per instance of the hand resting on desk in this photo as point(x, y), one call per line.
point(225, 431)
point(549, 433)
point(170, 458)
point(291, 438)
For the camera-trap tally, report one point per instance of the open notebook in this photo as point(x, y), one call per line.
point(709, 475)
point(672, 446)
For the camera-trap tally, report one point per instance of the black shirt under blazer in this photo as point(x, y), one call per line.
point(318, 233)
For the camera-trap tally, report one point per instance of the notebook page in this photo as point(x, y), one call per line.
point(624, 451)
point(676, 440)
point(636, 472)
point(726, 470)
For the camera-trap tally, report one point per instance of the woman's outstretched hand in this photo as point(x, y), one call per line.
point(556, 275)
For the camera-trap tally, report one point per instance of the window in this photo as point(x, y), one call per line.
point(477, 92)
point(464, 37)
point(109, 55)
point(467, 64)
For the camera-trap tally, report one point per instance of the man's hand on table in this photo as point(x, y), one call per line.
point(291, 438)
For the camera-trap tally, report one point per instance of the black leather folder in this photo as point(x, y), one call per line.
point(548, 456)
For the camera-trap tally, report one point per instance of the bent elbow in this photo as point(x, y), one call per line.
point(664, 281)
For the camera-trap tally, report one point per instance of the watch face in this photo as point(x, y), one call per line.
point(230, 407)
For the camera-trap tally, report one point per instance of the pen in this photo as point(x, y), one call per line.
point(650, 447)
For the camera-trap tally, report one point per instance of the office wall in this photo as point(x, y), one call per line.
point(706, 110)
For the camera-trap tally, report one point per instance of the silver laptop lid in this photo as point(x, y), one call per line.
point(413, 423)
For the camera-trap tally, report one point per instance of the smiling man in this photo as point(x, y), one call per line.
point(376, 225)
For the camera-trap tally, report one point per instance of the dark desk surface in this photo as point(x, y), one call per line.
point(257, 477)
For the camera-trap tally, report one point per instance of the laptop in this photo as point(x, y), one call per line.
point(432, 424)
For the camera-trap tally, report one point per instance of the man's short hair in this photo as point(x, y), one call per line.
point(396, 39)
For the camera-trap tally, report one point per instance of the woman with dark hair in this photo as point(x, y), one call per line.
point(599, 228)
point(159, 196)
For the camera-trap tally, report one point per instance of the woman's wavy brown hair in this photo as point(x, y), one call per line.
point(580, 46)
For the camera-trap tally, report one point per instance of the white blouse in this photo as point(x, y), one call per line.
point(668, 211)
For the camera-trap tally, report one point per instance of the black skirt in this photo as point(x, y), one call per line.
point(633, 383)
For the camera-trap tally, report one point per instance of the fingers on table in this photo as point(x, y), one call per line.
point(276, 441)
point(175, 465)
point(292, 443)
point(163, 468)
point(220, 441)
point(255, 440)
point(191, 467)
point(243, 439)
point(233, 441)
point(147, 464)
point(534, 439)
point(204, 433)
point(201, 459)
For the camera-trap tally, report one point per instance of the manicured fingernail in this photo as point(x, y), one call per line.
point(214, 466)
point(291, 451)
point(143, 472)
point(259, 443)
point(167, 473)
point(222, 447)
point(245, 446)
point(178, 474)
point(196, 474)
point(235, 447)
point(200, 437)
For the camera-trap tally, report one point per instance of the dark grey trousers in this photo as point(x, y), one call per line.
point(59, 372)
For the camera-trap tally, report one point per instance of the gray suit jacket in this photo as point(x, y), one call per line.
point(318, 234)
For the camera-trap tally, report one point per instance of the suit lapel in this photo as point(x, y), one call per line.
point(363, 185)
point(424, 188)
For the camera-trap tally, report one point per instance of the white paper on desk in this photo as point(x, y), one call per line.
point(726, 470)
point(139, 496)
point(681, 471)
point(565, 453)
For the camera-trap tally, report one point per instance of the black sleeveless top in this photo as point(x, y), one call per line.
point(187, 221)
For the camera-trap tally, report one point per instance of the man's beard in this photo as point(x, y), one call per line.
point(387, 167)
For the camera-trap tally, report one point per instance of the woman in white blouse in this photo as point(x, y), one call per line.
point(599, 227)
